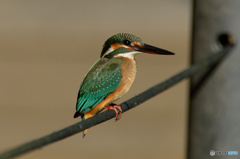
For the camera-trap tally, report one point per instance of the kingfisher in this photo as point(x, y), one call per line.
point(112, 75)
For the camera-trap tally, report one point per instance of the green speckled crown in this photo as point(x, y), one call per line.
point(119, 38)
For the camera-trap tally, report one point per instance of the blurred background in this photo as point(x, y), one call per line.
point(46, 48)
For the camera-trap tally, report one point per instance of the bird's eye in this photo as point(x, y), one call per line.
point(127, 42)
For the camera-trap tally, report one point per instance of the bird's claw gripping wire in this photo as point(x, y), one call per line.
point(116, 108)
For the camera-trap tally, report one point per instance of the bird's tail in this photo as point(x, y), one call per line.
point(84, 117)
point(84, 132)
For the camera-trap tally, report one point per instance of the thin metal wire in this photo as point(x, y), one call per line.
point(204, 64)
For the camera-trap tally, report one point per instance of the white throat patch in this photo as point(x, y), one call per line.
point(129, 55)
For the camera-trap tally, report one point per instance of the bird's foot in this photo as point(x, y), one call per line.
point(115, 108)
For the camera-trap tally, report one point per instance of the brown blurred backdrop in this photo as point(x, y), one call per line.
point(46, 47)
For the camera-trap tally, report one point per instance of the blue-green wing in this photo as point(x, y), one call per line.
point(101, 80)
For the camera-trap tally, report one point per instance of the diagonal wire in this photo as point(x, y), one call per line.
point(204, 64)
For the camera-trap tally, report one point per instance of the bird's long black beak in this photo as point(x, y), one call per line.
point(152, 50)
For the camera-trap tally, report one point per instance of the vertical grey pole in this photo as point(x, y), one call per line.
point(214, 116)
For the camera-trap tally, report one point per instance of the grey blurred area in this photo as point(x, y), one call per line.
point(46, 48)
point(214, 107)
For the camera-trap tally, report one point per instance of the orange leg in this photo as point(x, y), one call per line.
point(115, 107)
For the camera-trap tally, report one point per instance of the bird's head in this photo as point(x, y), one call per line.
point(128, 45)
